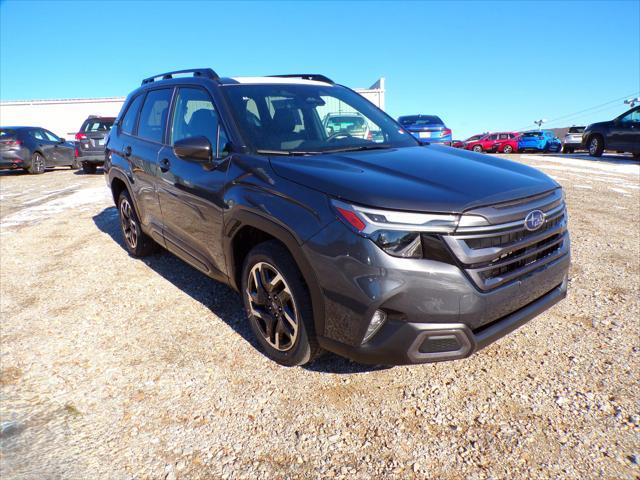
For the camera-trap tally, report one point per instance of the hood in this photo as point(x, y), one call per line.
point(599, 125)
point(427, 179)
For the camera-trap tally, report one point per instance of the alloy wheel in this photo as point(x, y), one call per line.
point(593, 146)
point(507, 149)
point(129, 226)
point(38, 163)
point(272, 306)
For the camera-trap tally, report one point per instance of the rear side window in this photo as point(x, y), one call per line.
point(153, 116)
point(7, 133)
point(98, 125)
point(129, 120)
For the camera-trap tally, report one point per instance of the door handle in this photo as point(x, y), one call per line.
point(127, 151)
point(165, 165)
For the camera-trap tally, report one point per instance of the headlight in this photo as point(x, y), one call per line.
point(399, 233)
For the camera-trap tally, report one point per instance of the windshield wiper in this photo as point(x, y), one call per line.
point(358, 148)
point(286, 152)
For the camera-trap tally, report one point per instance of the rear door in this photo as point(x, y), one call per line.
point(192, 192)
point(45, 146)
point(141, 136)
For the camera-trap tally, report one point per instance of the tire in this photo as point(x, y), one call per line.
point(137, 242)
point(89, 168)
point(74, 164)
point(507, 149)
point(477, 148)
point(38, 164)
point(596, 146)
point(565, 149)
point(278, 305)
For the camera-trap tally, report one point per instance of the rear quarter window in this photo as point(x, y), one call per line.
point(128, 123)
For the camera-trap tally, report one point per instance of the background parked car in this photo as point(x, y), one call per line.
point(572, 139)
point(90, 141)
point(507, 142)
point(539, 141)
point(621, 134)
point(427, 127)
point(352, 124)
point(457, 143)
point(486, 143)
point(34, 149)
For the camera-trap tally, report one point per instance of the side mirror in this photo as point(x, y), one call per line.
point(197, 149)
point(62, 140)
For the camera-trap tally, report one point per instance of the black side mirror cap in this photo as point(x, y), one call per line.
point(197, 149)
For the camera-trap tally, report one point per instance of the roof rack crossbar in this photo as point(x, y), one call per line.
point(307, 76)
point(197, 72)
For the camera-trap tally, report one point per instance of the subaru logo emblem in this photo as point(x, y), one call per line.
point(534, 220)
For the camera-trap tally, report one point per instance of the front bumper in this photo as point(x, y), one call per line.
point(402, 343)
point(423, 299)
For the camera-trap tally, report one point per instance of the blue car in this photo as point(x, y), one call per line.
point(539, 141)
point(427, 128)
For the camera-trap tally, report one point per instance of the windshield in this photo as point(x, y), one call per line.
point(532, 134)
point(420, 120)
point(475, 137)
point(309, 119)
point(576, 129)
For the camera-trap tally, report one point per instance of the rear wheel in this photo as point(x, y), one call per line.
point(278, 305)
point(74, 164)
point(89, 167)
point(38, 164)
point(477, 148)
point(137, 242)
point(507, 149)
point(596, 146)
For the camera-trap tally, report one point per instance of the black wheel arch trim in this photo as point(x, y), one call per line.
point(245, 218)
point(114, 174)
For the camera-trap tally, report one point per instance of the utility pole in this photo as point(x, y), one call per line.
point(632, 101)
point(540, 122)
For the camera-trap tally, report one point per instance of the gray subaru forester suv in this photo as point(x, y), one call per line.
point(384, 250)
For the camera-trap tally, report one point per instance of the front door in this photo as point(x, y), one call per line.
point(625, 133)
point(191, 192)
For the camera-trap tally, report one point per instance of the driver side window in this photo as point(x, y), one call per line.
point(633, 117)
point(195, 116)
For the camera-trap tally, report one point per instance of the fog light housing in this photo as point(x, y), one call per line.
point(377, 320)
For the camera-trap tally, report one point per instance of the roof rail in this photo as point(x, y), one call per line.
point(197, 72)
point(306, 76)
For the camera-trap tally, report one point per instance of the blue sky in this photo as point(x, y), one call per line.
point(480, 66)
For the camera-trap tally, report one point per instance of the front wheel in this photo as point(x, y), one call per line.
point(38, 164)
point(74, 164)
point(278, 305)
point(507, 149)
point(596, 146)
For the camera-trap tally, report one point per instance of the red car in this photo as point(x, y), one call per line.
point(507, 142)
point(483, 144)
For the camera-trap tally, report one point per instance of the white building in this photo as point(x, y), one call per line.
point(64, 117)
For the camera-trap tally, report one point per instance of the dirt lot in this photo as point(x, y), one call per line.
point(118, 368)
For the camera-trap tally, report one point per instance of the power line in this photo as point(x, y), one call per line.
point(563, 117)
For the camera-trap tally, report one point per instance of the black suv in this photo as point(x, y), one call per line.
point(621, 134)
point(90, 142)
point(384, 250)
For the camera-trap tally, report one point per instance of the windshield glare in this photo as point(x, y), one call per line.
point(311, 119)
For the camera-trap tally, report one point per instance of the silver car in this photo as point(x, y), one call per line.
point(572, 140)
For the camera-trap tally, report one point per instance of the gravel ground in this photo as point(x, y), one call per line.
point(118, 368)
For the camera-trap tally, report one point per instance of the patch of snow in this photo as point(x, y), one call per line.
point(588, 187)
point(619, 190)
point(626, 167)
point(37, 213)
